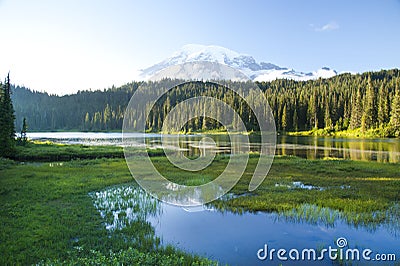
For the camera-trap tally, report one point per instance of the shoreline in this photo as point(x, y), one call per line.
point(378, 133)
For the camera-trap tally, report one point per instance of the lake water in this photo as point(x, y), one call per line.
point(236, 238)
point(382, 150)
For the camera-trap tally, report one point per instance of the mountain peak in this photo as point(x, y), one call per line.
point(207, 49)
point(246, 63)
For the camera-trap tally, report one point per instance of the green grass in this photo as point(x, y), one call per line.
point(48, 216)
point(382, 132)
point(48, 151)
point(372, 186)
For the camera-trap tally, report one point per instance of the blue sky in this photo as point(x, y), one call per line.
point(64, 46)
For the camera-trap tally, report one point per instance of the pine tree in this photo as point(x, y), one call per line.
point(107, 117)
point(284, 118)
point(313, 110)
point(383, 106)
point(339, 125)
point(370, 110)
point(328, 119)
point(295, 120)
point(356, 111)
point(7, 117)
point(97, 121)
point(87, 122)
point(3, 127)
point(364, 122)
point(24, 130)
point(395, 114)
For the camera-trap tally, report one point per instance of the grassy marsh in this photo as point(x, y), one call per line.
point(48, 215)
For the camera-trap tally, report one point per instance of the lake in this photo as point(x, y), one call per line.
point(379, 149)
point(236, 238)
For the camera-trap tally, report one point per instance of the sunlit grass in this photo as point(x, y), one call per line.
point(380, 132)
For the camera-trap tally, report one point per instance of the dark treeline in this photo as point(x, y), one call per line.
point(367, 101)
point(85, 110)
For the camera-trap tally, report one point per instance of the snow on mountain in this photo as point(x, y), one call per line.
point(324, 72)
point(245, 63)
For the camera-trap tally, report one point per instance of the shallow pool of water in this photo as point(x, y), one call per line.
point(236, 238)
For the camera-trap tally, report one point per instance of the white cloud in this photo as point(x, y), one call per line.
point(333, 25)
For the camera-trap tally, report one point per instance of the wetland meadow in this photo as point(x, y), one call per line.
point(69, 198)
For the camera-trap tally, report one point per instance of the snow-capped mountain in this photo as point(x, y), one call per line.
point(245, 63)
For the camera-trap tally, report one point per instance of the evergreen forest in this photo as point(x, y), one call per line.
point(367, 101)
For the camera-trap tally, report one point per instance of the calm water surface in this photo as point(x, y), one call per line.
point(236, 238)
point(382, 150)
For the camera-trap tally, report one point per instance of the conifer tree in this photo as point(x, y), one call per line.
point(7, 117)
point(107, 116)
point(87, 122)
point(313, 110)
point(24, 130)
point(370, 107)
point(284, 118)
point(356, 111)
point(383, 106)
point(295, 120)
point(328, 119)
point(395, 114)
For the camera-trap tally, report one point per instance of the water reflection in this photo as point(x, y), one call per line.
point(235, 239)
point(121, 206)
point(381, 150)
point(388, 220)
